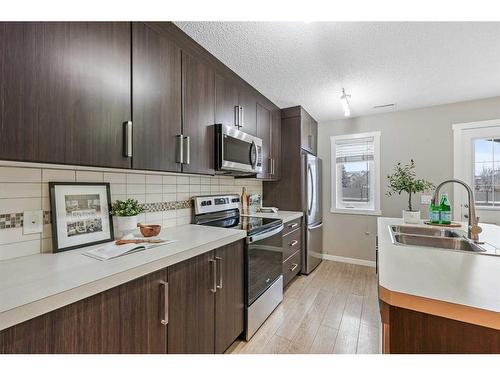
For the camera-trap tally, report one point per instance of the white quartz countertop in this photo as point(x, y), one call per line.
point(286, 216)
point(452, 276)
point(33, 285)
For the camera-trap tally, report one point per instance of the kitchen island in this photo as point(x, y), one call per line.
point(435, 300)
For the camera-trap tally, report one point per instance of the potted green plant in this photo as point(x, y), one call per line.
point(404, 180)
point(126, 214)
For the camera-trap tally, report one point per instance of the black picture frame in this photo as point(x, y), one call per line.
point(54, 218)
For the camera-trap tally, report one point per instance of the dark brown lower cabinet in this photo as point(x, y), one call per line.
point(206, 301)
point(229, 308)
point(142, 309)
point(200, 302)
point(191, 306)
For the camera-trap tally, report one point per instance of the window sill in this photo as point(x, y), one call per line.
point(353, 211)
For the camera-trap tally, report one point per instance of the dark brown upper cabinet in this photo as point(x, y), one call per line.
point(309, 133)
point(198, 108)
point(65, 92)
point(269, 130)
point(235, 104)
point(226, 100)
point(156, 77)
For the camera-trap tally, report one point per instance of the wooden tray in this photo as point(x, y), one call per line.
point(452, 225)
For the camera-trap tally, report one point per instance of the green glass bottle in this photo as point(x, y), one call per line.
point(434, 213)
point(444, 210)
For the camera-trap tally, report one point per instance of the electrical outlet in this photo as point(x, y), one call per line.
point(32, 222)
point(425, 199)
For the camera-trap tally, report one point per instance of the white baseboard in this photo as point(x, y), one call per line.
point(361, 262)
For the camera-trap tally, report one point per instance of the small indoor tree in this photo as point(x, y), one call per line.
point(404, 180)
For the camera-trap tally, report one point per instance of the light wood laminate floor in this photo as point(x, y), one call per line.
point(332, 310)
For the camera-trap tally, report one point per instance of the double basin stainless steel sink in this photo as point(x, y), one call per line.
point(450, 239)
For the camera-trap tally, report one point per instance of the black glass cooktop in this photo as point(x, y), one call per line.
point(251, 224)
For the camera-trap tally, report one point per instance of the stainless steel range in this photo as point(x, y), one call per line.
point(263, 254)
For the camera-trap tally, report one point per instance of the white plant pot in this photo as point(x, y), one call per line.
point(126, 224)
point(411, 217)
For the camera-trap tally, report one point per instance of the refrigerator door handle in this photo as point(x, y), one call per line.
point(309, 206)
point(315, 226)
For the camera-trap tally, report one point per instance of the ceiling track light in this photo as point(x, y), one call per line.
point(344, 100)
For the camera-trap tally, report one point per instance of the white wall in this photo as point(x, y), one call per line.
point(422, 134)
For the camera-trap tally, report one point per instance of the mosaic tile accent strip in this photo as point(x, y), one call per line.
point(15, 220)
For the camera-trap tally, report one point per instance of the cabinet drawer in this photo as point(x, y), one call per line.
point(292, 267)
point(292, 242)
point(291, 226)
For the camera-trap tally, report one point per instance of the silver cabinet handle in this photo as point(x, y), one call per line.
point(186, 150)
point(272, 165)
point(242, 124)
point(219, 262)
point(237, 116)
point(127, 139)
point(179, 148)
point(294, 267)
point(293, 243)
point(293, 225)
point(164, 314)
point(214, 277)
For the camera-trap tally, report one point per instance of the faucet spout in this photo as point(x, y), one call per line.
point(473, 228)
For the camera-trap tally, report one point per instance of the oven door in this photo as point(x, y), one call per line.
point(264, 254)
point(237, 151)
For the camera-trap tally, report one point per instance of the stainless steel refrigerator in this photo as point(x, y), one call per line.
point(312, 253)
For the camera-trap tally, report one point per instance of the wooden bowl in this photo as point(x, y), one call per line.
point(150, 230)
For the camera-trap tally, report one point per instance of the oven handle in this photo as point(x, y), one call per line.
point(269, 233)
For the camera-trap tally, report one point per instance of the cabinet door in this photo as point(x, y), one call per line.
point(264, 132)
point(156, 75)
point(142, 307)
point(229, 299)
point(198, 83)
point(65, 92)
point(309, 133)
point(192, 306)
point(226, 99)
point(248, 101)
point(276, 143)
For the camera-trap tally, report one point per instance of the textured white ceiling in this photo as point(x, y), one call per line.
point(411, 64)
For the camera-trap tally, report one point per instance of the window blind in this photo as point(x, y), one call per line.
point(354, 150)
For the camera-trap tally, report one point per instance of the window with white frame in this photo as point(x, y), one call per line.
point(486, 169)
point(355, 173)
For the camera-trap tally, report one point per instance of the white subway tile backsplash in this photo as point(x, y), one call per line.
point(20, 249)
point(182, 188)
point(20, 190)
point(15, 174)
point(182, 180)
point(194, 180)
point(118, 189)
point(133, 178)
point(13, 235)
point(169, 188)
point(24, 189)
point(153, 179)
point(170, 197)
point(58, 175)
point(153, 189)
point(154, 198)
point(89, 176)
point(9, 205)
point(169, 180)
point(115, 178)
point(136, 189)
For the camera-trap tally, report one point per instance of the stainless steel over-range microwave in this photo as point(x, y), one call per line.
point(236, 152)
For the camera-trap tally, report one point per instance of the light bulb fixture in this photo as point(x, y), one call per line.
point(345, 103)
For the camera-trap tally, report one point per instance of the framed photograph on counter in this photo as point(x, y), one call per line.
point(80, 213)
